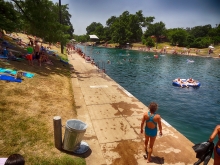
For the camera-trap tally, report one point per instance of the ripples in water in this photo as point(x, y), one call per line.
point(192, 111)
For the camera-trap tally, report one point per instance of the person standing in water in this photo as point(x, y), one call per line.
point(151, 120)
point(217, 146)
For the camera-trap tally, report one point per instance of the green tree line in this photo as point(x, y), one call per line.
point(39, 18)
point(131, 28)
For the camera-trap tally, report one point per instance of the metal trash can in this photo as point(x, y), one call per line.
point(74, 133)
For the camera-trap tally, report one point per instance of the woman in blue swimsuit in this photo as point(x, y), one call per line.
point(150, 120)
point(217, 147)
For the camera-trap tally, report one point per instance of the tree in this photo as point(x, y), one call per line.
point(96, 29)
point(201, 42)
point(200, 31)
point(157, 29)
point(66, 20)
point(107, 33)
point(110, 21)
point(45, 24)
point(126, 28)
point(120, 32)
point(214, 34)
point(148, 21)
point(10, 18)
point(92, 28)
point(190, 40)
point(177, 36)
point(150, 42)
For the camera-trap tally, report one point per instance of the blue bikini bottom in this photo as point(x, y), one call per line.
point(218, 150)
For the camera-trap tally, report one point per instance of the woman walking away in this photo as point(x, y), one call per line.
point(217, 147)
point(151, 119)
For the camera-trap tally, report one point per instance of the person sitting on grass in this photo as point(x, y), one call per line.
point(11, 56)
point(44, 58)
point(19, 75)
point(5, 52)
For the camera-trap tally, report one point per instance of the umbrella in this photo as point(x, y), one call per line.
point(211, 47)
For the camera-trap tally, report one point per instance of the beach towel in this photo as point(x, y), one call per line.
point(51, 52)
point(3, 57)
point(66, 62)
point(14, 72)
point(28, 75)
point(9, 78)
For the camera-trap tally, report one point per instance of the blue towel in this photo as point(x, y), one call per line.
point(66, 62)
point(28, 75)
point(3, 57)
point(9, 78)
point(10, 71)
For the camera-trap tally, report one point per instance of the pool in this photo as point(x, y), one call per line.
point(192, 111)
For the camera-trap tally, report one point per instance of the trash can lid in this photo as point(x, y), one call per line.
point(76, 124)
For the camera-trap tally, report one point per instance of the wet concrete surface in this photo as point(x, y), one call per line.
point(113, 116)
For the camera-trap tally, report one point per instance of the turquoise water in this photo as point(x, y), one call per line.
point(192, 111)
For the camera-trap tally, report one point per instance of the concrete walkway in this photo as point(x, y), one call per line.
point(114, 116)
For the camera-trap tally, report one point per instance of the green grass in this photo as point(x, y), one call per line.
point(22, 132)
point(64, 160)
point(27, 110)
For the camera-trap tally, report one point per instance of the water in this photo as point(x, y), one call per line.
point(192, 111)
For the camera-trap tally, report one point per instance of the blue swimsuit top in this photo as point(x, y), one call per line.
point(149, 131)
point(151, 119)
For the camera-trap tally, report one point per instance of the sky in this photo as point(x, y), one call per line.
point(174, 13)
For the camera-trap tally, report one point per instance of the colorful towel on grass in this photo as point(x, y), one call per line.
point(66, 62)
point(51, 51)
point(9, 78)
point(13, 58)
point(3, 57)
point(13, 72)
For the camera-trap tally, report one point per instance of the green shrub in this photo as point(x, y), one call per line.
point(150, 42)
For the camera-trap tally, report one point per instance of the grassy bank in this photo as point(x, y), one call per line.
point(202, 52)
point(27, 110)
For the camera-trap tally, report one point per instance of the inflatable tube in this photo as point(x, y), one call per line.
point(185, 83)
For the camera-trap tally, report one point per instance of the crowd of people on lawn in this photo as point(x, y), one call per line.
point(35, 51)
